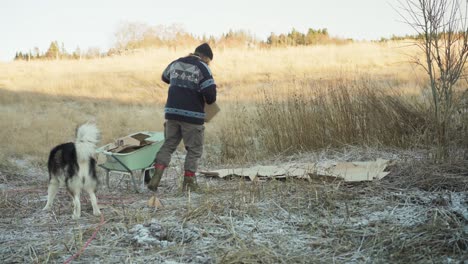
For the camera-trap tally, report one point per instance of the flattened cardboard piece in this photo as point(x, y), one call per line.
point(140, 137)
point(129, 143)
point(348, 171)
point(268, 171)
point(380, 165)
point(297, 173)
point(360, 171)
point(211, 110)
point(154, 202)
point(382, 174)
point(258, 171)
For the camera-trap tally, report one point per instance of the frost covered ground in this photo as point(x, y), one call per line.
point(418, 213)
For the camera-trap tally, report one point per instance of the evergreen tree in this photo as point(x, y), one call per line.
point(77, 53)
point(272, 39)
point(53, 52)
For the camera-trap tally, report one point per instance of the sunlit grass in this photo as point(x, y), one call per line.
point(266, 96)
point(136, 77)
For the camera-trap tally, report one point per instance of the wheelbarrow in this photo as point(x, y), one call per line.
point(131, 153)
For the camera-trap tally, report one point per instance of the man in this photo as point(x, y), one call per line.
point(191, 85)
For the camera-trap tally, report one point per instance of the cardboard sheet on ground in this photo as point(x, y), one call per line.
point(360, 171)
point(154, 202)
point(259, 172)
point(348, 171)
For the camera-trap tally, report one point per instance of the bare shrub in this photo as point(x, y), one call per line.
point(443, 27)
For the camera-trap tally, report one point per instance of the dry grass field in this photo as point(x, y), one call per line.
point(353, 102)
point(43, 101)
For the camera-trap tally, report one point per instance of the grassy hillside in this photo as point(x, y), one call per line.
point(273, 100)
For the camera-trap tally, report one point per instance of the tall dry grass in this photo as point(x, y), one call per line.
point(319, 114)
point(273, 100)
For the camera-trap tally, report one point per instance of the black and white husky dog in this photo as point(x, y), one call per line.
point(73, 165)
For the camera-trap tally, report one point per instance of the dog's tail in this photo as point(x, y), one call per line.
point(87, 133)
point(87, 136)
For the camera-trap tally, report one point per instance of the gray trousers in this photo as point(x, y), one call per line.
point(193, 136)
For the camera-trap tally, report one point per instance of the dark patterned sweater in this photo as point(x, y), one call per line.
point(191, 85)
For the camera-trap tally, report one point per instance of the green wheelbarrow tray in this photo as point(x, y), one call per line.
point(139, 159)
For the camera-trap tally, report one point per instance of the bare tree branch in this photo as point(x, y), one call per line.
point(444, 28)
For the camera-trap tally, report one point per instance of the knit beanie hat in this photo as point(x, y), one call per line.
point(204, 49)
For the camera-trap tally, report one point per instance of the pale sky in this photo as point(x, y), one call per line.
point(25, 24)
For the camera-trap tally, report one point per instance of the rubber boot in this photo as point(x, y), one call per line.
point(158, 172)
point(190, 182)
